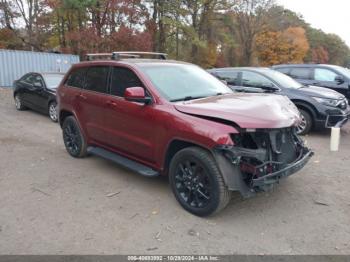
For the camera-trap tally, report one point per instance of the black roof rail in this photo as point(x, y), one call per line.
point(91, 57)
point(125, 54)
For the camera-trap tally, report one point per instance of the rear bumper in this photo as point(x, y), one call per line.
point(285, 172)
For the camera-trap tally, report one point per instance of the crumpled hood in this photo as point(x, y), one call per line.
point(246, 110)
point(316, 91)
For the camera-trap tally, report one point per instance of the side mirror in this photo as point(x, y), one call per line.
point(339, 79)
point(136, 94)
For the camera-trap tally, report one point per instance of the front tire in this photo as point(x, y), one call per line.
point(306, 123)
point(197, 182)
point(73, 139)
point(53, 111)
point(19, 103)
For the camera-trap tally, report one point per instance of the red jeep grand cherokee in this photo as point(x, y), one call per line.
point(162, 117)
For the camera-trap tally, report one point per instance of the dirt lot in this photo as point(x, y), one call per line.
point(51, 203)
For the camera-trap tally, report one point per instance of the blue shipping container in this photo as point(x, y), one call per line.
point(16, 63)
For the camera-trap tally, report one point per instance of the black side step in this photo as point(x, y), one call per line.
point(123, 161)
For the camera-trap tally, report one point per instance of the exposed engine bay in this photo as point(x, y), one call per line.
point(261, 158)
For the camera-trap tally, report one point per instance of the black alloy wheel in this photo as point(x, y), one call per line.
point(73, 139)
point(193, 184)
point(197, 182)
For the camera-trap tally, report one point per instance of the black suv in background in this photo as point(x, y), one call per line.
point(319, 107)
point(329, 76)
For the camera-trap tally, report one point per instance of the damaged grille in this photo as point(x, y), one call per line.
point(266, 151)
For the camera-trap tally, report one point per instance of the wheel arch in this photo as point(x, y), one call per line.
point(175, 146)
point(17, 91)
point(63, 115)
point(306, 107)
point(52, 99)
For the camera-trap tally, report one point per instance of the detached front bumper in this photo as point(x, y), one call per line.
point(287, 171)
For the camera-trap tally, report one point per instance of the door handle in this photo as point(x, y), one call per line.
point(81, 96)
point(111, 104)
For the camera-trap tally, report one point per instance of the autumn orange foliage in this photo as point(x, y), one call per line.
point(288, 46)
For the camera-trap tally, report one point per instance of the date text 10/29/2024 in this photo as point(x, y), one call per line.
point(173, 258)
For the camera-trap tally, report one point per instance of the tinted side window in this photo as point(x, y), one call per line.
point(28, 79)
point(123, 78)
point(322, 74)
point(25, 78)
point(76, 78)
point(230, 77)
point(96, 79)
point(300, 73)
point(31, 79)
point(250, 79)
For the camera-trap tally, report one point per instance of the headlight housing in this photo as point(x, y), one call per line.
point(328, 101)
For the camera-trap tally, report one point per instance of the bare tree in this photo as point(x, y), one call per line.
point(250, 19)
point(27, 12)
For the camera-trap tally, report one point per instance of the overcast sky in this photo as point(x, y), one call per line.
point(332, 16)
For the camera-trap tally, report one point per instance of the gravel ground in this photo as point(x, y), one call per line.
point(51, 203)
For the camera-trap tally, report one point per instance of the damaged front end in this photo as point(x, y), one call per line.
point(259, 159)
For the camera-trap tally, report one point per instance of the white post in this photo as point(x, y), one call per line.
point(335, 138)
point(59, 65)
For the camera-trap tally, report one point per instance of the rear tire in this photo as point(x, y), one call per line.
point(53, 111)
point(73, 139)
point(306, 124)
point(19, 102)
point(197, 182)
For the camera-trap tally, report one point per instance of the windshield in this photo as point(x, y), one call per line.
point(343, 70)
point(282, 79)
point(52, 81)
point(177, 82)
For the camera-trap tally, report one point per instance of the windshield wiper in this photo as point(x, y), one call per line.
point(186, 98)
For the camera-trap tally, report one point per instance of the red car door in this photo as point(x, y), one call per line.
point(90, 103)
point(131, 126)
